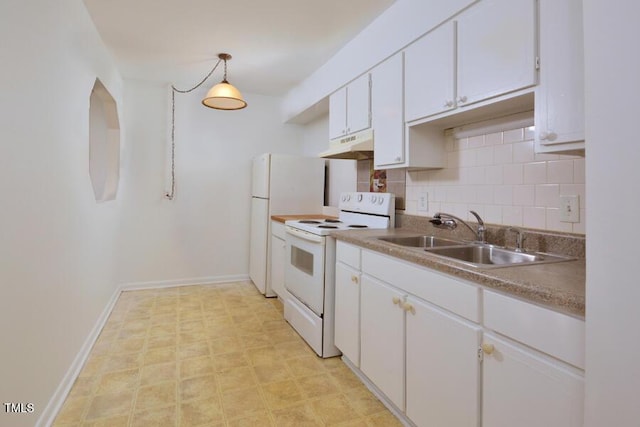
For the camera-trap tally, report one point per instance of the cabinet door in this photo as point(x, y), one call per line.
point(559, 102)
point(359, 104)
point(387, 112)
point(338, 113)
point(382, 338)
point(347, 314)
point(429, 73)
point(278, 250)
point(521, 388)
point(443, 371)
point(496, 49)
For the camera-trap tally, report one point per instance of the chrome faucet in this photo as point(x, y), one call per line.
point(448, 221)
point(519, 238)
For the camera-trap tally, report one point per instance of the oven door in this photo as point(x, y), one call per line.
point(304, 268)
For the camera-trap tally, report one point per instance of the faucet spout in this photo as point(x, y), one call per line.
point(519, 238)
point(481, 228)
point(448, 221)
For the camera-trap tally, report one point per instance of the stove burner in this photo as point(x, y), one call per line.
point(309, 221)
point(358, 226)
point(332, 220)
point(327, 226)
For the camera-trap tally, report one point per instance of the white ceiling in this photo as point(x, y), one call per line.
point(275, 44)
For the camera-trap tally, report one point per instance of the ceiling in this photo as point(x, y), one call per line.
point(275, 44)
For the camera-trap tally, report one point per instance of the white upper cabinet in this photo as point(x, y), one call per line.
point(489, 51)
point(338, 113)
point(350, 108)
point(496, 49)
point(393, 147)
point(559, 111)
point(387, 112)
point(429, 74)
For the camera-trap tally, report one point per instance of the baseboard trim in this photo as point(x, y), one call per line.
point(57, 400)
point(133, 286)
point(50, 412)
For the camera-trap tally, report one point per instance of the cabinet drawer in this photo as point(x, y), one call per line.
point(277, 229)
point(551, 332)
point(454, 295)
point(348, 254)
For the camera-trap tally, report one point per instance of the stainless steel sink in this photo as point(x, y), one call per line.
point(421, 241)
point(490, 256)
point(480, 255)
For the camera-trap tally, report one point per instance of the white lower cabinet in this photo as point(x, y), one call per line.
point(523, 388)
point(278, 255)
point(442, 369)
point(347, 323)
point(382, 338)
point(446, 353)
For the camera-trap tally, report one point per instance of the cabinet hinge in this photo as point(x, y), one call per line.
point(480, 355)
point(537, 62)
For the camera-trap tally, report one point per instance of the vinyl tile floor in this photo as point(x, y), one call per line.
point(212, 355)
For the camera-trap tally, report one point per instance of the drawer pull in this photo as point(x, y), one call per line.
point(354, 279)
point(487, 348)
point(409, 308)
point(396, 300)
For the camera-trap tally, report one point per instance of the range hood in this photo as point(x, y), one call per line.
point(357, 146)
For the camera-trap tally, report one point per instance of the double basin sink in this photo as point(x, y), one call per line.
point(475, 254)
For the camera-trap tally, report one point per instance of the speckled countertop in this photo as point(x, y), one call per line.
point(558, 286)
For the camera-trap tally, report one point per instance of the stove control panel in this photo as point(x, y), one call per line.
point(373, 203)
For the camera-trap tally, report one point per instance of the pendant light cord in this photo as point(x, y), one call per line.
point(169, 195)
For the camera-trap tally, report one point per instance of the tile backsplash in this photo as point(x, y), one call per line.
point(500, 176)
point(382, 181)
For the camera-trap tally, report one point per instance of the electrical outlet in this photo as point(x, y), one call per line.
point(423, 201)
point(570, 208)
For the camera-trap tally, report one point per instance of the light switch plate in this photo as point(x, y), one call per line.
point(570, 208)
point(423, 201)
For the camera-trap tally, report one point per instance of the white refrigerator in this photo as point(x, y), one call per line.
point(281, 185)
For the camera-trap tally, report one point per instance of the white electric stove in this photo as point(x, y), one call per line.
point(310, 264)
point(357, 211)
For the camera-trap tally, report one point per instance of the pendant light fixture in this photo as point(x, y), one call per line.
point(223, 96)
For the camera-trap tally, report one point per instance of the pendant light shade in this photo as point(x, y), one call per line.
point(224, 96)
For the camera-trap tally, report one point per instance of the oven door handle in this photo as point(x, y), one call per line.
point(314, 238)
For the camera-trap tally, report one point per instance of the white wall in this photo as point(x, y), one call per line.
point(62, 255)
point(613, 174)
point(203, 234)
point(341, 174)
point(315, 138)
point(57, 245)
